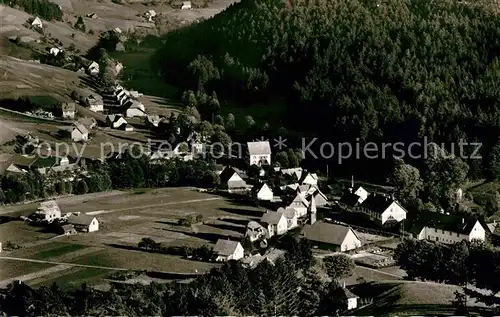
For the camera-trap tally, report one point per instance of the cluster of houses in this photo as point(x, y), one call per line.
point(49, 212)
point(63, 165)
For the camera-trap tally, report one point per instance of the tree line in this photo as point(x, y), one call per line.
point(42, 8)
point(229, 290)
point(462, 263)
point(125, 172)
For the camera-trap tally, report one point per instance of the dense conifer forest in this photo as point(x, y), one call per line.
point(379, 70)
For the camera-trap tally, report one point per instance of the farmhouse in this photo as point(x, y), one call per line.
point(271, 255)
point(294, 172)
point(350, 300)
point(274, 222)
point(117, 31)
point(47, 211)
point(153, 120)
point(93, 68)
point(54, 51)
point(291, 217)
point(37, 23)
point(66, 229)
point(116, 121)
point(186, 5)
point(79, 133)
point(265, 193)
point(232, 181)
point(331, 236)
point(84, 223)
point(226, 250)
point(382, 209)
point(92, 15)
point(361, 192)
point(447, 229)
point(308, 178)
point(150, 14)
point(136, 109)
point(300, 204)
point(255, 231)
point(88, 122)
point(68, 110)
point(260, 153)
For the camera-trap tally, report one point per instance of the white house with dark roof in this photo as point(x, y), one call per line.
point(84, 223)
point(116, 121)
point(95, 103)
point(382, 209)
point(232, 181)
point(260, 153)
point(48, 211)
point(37, 23)
point(275, 223)
point(225, 250)
point(448, 229)
point(255, 231)
point(308, 178)
point(331, 236)
point(136, 109)
point(93, 68)
point(300, 204)
point(291, 217)
point(79, 133)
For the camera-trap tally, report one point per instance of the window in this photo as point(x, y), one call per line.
point(458, 235)
point(428, 237)
point(435, 230)
point(442, 231)
point(437, 238)
point(450, 233)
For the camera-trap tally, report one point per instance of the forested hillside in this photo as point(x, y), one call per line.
point(387, 69)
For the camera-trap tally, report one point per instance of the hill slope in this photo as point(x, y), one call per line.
point(390, 68)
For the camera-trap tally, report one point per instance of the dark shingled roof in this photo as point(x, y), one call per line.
point(350, 199)
point(83, 220)
point(442, 221)
point(377, 203)
point(225, 247)
point(325, 232)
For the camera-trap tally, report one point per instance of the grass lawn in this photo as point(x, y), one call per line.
point(10, 269)
point(74, 278)
point(67, 248)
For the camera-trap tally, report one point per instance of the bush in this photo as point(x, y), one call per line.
point(190, 219)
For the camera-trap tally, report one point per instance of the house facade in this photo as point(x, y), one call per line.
point(331, 236)
point(260, 153)
point(84, 223)
point(382, 209)
point(137, 109)
point(48, 211)
point(68, 110)
point(226, 250)
point(451, 229)
point(275, 223)
point(265, 193)
point(79, 133)
point(300, 204)
point(232, 181)
point(255, 231)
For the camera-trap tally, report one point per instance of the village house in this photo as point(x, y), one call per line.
point(271, 256)
point(255, 231)
point(92, 15)
point(116, 121)
point(186, 5)
point(95, 103)
point(275, 223)
point(149, 15)
point(294, 172)
point(447, 229)
point(291, 217)
point(79, 133)
point(84, 223)
point(347, 297)
point(54, 51)
point(47, 211)
point(308, 178)
point(136, 109)
point(66, 229)
point(88, 122)
point(382, 209)
point(226, 250)
point(300, 204)
point(153, 120)
point(331, 236)
point(232, 181)
point(37, 23)
point(260, 153)
point(264, 193)
point(68, 110)
point(93, 68)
